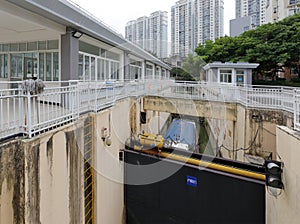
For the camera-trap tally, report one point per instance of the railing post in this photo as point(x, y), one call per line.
point(96, 93)
point(29, 122)
point(21, 107)
point(77, 96)
point(295, 108)
point(246, 96)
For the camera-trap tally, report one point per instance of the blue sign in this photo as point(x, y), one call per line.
point(191, 181)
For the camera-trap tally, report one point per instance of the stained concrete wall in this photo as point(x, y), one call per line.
point(286, 207)
point(253, 130)
point(233, 126)
point(109, 169)
point(41, 180)
point(12, 190)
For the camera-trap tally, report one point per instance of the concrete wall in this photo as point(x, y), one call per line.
point(253, 130)
point(41, 180)
point(286, 207)
point(240, 25)
point(197, 108)
point(121, 121)
point(237, 129)
point(109, 170)
point(12, 191)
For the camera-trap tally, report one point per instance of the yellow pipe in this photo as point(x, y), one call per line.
point(214, 166)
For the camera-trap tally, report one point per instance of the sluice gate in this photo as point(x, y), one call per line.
point(180, 187)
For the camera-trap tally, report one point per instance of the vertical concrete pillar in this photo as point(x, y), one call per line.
point(153, 71)
point(143, 70)
point(159, 73)
point(233, 76)
point(168, 74)
point(69, 56)
point(126, 66)
point(248, 76)
point(122, 66)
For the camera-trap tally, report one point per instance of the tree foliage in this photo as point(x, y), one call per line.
point(181, 74)
point(273, 46)
point(193, 65)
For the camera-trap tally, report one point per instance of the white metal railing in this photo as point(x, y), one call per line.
point(297, 110)
point(269, 97)
point(62, 102)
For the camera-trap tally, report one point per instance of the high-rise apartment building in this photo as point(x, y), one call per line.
point(150, 33)
point(249, 14)
point(280, 9)
point(193, 22)
point(255, 9)
point(253, 13)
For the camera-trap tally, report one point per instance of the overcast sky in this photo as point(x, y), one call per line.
point(116, 13)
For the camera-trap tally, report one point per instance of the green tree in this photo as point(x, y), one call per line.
point(180, 74)
point(273, 46)
point(194, 66)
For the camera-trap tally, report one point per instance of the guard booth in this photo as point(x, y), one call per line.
point(159, 189)
point(239, 73)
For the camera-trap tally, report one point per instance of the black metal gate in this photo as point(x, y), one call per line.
point(190, 195)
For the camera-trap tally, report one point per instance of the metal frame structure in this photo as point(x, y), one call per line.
point(64, 102)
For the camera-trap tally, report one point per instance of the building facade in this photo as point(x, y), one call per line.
point(69, 51)
point(249, 15)
point(193, 22)
point(277, 10)
point(229, 73)
point(253, 13)
point(150, 33)
point(256, 9)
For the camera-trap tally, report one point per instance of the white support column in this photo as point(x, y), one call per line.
point(159, 73)
point(234, 76)
point(122, 66)
point(143, 70)
point(168, 74)
point(153, 71)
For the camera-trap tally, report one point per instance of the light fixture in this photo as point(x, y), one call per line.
point(77, 34)
point(274, 174)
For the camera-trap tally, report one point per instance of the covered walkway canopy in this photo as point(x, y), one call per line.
point(38, 37)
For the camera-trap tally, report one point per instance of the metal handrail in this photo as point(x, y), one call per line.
point(62, 102)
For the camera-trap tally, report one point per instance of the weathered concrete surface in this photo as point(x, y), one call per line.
point(119, 121)
point(41, 180)
point(238, 130)
point(286, 207)
point(197, 108)
point(253, 132)
point(76, 170)
point(32, 180)
point(12, 189)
